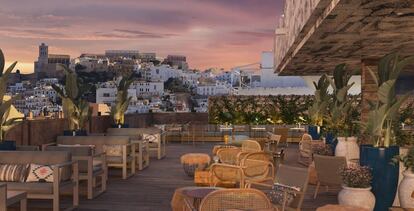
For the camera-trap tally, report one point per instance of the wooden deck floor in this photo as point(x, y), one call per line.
point(152, 188)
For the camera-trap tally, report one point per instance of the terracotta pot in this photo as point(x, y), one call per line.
point(406, 190)
point(347, 147)
point(358, 197)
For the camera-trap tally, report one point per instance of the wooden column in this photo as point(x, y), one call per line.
point(368, 86)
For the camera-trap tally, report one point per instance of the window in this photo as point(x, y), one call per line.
point(106, 94)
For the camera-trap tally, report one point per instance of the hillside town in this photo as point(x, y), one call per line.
point(160, 84)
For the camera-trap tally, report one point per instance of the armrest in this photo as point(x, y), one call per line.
point(43, 146)
point(61, 165)
point(27, 148)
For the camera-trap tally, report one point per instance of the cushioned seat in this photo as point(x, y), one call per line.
point(34, 187)
point(116, 159)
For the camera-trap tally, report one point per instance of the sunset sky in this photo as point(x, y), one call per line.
point(211, 33)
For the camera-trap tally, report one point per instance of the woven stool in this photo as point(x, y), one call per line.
point(193, 161)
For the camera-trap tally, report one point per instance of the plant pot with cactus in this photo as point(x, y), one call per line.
point(6, 122)
point(379, 130)
point(76, 108)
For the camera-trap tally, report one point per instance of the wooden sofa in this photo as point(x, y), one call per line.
point(91, 166)
point(65, 175)
point(154, 136)
point(124, 160)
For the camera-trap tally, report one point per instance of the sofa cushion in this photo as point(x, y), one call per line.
point(38, 157)
point(97, 141)
point(31, 187)
point(112, 150)
point(40, 173)
point(13, 172)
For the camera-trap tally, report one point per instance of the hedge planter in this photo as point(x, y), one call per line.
point(358, 197)
point(347, 147)
point(405, 192)
point(75, 133)
point(385, 174)
point(7, 146)
point(315, 132)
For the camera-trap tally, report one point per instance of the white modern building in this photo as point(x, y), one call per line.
point(211, 89)
point(160, 73)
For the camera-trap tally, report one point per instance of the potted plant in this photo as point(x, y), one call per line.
point(75, 107)
point(338, 120)
point(122, 102)
point(406, 187)
point(6, 123)
point(356, 188)
point(379, 130)
point(318, 109)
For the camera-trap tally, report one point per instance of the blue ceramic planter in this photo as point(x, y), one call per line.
point(331, 140)
point(122, 126)
point(315, 132)
point(8, 146)
point(385, 175)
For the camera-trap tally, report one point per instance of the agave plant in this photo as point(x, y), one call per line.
point(75, 108)
point(6, 123)
point(338, 118)
point(379, 127)
point(321, 101)
point(122, 100)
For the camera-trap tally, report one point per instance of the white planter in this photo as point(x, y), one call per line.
point(347, 147)
point(403, 152)
point(406, 190)
point(358, 197)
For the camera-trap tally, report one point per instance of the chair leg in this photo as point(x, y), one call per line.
point(76, 195)
point(316, 190)
point(23, 205)
point(56, 206)
point(90, 187)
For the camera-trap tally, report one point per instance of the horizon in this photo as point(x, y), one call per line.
point(211, 34)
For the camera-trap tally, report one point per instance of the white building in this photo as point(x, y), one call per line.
point(90, 64)
point(47, 82)
point(161, 73)
point(218, 88)
point(190, 78)
point(45, 91)
point(16, 88)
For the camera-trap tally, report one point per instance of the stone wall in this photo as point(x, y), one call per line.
point(37, 132)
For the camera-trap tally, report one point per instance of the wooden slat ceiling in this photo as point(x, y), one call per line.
point(354, 30)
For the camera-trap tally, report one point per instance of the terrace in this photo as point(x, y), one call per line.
point(248, 145)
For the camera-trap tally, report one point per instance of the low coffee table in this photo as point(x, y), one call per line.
point(17, 196)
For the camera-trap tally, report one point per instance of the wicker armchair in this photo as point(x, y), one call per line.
point(248, 146)
point(305, 150)
point(229, 155)
point(291, 176)
point(255, 167)
point(327, 169)
point(241, 199)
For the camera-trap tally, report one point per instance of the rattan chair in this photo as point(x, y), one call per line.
point(305, 150)
point(249, 146)
point(229, 155)
point(241, 199)
point(254, 167)
point(258, 167)
point(328, 171)
point(291, 176)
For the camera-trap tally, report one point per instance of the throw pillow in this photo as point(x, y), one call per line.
point(276, 195)
point(40, 173)
point(13, 172)
point(151, 138)
point(113, 150)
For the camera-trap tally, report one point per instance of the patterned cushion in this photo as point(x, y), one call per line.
point(113, 150)
point(151, 138)
point(13, 172)
point(40, 173)
point(276, 195)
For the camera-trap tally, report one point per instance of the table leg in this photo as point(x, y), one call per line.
point(23, 204)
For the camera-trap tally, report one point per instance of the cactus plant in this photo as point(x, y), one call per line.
point(6, 123)
point(75, 108)
point(122, 100)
